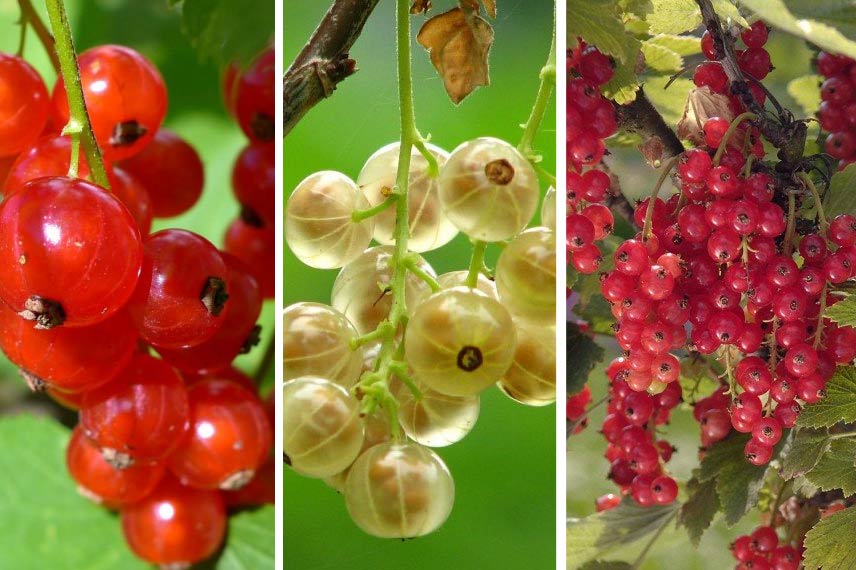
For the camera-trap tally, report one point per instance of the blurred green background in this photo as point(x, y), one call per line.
point(587, 469)
point(504, 471)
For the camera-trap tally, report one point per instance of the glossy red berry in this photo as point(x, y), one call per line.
point(170, 170)
point(261, 490)
point(182, 292)
point(134, 197)
point(175, 525)
point(256, 247)
point(141, 416)
point(255, 98)
point(253, 181)
point(24, 105)
point(229, 437)
point(49, 156)
point(70, 252)
point(664, 490)
point(756, 35)
point(125, 96)
point(102, 482)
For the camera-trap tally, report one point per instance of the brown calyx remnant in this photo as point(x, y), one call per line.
point(252, 339)
point(237, 480)
point(46, 313)
point(499, 171)
point(470, 358)
point(35, 383)
point(116, 458)
point(214, 295)
point(127, 133)
point(262, 126)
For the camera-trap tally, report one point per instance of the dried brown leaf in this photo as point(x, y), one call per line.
point(652, 150)
point(420, 7)
point(459, 44)
point(490, 8)
point(702, 104)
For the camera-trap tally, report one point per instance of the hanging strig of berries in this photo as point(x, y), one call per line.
point(136, 330)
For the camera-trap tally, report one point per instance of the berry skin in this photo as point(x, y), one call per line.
point(237, 335)
point(54, 233)
point(24, 105)
point(175, 526)
point(182, 290)
point(256, 247)
point(526, 275)
point(229, 437)
point(141, 416)
point(48, 156)
point(253, 179)
point(255, 98)
point(664, 490)
point(171, 172)
point(531, 378)
point(125, 96)
point(103, 483)
point(68, 359)
point(756, 35)
point(607, 502)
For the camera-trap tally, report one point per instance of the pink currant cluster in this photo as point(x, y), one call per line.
point(590, 120)
point(837, 113)
point(762, 550)
point(636, 457)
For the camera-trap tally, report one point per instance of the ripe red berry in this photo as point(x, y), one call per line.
point(55, 239)
point(49, 156)
point(125, 97)
point(664, 490)
point(23, 106)
point(253, 181)
point(256, 247)
point(255, 98)
point(756, 35)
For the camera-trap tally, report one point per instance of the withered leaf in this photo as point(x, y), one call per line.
point(489, 6)
point(420, 7)
point(702, 104)
point(652, 150)
point(459, 44)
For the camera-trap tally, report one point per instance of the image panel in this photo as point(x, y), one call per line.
point(136, 290)
point(710, 237)
point(419, 286)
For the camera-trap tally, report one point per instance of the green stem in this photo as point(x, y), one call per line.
point(476, 264)
point(542, 99)
point(28, 13)
point(819, 332)
point(433, 165)
point(821, 214)
point(360, 215)
point(78, 122)
point(22, 40)
point(649, 213)
point(732, 128)
point(792, 224)
point(412, 265)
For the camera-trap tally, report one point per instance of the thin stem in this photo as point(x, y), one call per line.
point(433, 165)
point(573, 425)
point(549, 177)
point(732, 128)
point(22, 40)
point(649, 213)
point(28, 13)
point(476, 264)
point(792, 224)
point(412, 265)
point(360, 215)
point(819, 332)
point(821, 214)
point(641, 558)
point(545, 89)
point(78, 122)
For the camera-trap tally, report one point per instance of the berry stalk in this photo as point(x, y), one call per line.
point(30, 17)
point(79, 126)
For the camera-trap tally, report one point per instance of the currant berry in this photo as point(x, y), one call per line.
point(435, 419)
point(253, 181)
point(255, 98)
point(459, 279)
point(256, 247)
point(664, 490)
point(526, 275)
point(531, 378)
point(399, 490)
point(488, 189)
point(548, 209)
point(24, 109)
point(376, 432)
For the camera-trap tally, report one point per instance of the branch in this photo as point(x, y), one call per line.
point(45, 37)
point(642, 118)
point(323, 63)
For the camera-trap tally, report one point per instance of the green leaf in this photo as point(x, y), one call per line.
point(41, 513)
point(597, 22)
point(806, 91)
point(251, 541)
point(843, 312)
point(828, 24)
point(840, 197)
point(228, 30)
point(598, 314)
point(697, 378)
point(661, 58)
point(670, 102)
point(829, 545)
point(624, 84)
point(728, 12)
point(806, 450)
point(836, 470)
point(699, 510)
point(639, 8)
point(583, 355)
point(603, 532)
point(839, 405)
point(674, 16)
point(681, 45)
point(607, 565)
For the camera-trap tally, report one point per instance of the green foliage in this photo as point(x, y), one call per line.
point(598, 23)
point(836, 470)
point(671, 100)
point(843, 312)
point(839, 405)
point(829, 545)
point(603, 532)
point(606, 565)
point(806, 449)
point(806, 92)
point(674, 17)
point(584, 353)
point(251, 541)
point(700, 509)
point(681, 45)
point(661, 58)
point(228, 30)
point(840, 197)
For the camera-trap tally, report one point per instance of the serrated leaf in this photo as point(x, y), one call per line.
point(624, 84)
point(828, 24)
point(670, 102)
point(639, 8)
point(701, 506)
point(830, 545)
point(252, 542)
point(728, 13)
point(843, 312)
point(598, 314)
point(603, 532)
point(840, 197)
point(583, 355)
point(839, 405)
point(597, 22)
point(661, 58)
point(806, 450)
point(41, 512)
point(674, 16)
point(806, 92)
point(681, 45)
point(836, 470)
point(607, 565)
point(228, 30)
point(697, 378)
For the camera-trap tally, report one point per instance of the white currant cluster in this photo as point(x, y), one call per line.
point(396, 363)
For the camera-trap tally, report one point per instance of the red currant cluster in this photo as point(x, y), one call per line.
point(754, 61)
point(590, 119)
point(837, 113)
point(762, 550)
point(636, 457)
point(575, 409)
point(87, 294)
point(250, 97)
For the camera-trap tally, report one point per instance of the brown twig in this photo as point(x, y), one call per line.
point(642, 118)
point(323, 63)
